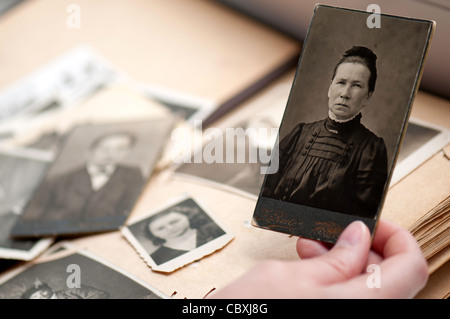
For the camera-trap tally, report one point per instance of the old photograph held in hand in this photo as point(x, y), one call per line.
point(343, 124)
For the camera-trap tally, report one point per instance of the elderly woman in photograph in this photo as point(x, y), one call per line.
point(336, 164)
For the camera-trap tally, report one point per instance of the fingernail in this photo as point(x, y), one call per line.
point(353, 234)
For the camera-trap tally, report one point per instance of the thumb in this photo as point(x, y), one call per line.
point(345, 260)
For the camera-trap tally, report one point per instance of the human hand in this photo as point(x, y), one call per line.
point(340, 272)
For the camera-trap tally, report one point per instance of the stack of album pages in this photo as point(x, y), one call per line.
point(421, 203)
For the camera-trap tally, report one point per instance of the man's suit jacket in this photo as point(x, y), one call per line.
point(71, 196)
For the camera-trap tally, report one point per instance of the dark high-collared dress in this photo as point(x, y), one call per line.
point(335, 166)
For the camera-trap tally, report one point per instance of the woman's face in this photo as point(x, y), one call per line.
point(349, 91)
point(169, 226)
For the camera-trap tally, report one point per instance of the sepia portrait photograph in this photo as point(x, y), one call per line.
point(21, 170)
point(344, 122)
point(79, 275)
point(177, 234)
point(95, 179)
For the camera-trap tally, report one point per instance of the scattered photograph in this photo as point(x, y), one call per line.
point(47, 141)
point(21, 170)
point(95, 179)
point(79, 275)
point(59, 84)
point(343, 123)
point(177, 234)
point(254, 134)
point(422, 140)
point(184, 106)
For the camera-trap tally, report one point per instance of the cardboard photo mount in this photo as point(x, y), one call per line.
point(335, 161)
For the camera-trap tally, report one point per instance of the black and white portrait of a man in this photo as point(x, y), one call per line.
point(95, 180)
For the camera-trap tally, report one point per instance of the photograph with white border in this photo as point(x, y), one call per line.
point(21, 170)
point(177, 234)
point(58, 85)
point(249, 138)
point(188, 107)
point(422, 140)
